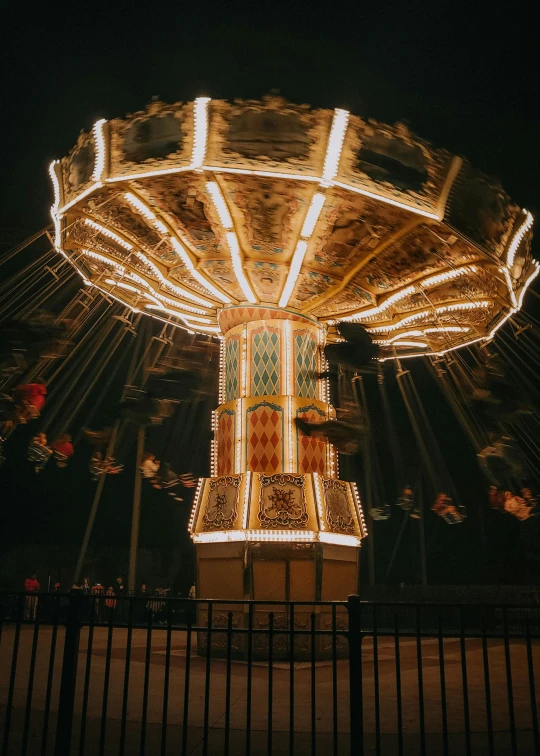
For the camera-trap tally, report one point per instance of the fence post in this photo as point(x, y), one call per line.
point(66, 703)
point(355, 676)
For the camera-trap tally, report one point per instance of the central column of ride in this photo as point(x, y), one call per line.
point(274, 522)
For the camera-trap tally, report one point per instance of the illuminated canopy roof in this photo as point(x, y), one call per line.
point(184, 209)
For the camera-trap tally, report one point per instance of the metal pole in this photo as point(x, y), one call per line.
point(397, 544)
point(423, 561)
point(68, 682)
point(93, 510)
point(103, 477)
point(136, 514)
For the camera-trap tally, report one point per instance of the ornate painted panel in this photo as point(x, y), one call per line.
point(282, 502)
point(226, 441)
point(265, 437)
point(232, 368)
point(265, 361)
point(221, 510)
point(310, 451)
point(338, 507)
point(305, 363)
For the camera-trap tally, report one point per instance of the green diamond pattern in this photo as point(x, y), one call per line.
point(232, 350)
point(305, 361)
point(265, 364)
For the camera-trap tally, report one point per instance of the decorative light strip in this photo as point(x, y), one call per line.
point(99, 141)
point(238, 449)
point(55, 214)
point(103, 259)
point(335, 145)
point(243, 374)
point(207, 329)
point(447, 276)
point(318, 498)
point(447, 329)
point(312, 215)
point(392, 299)
point(518, 237)
point(255, 535)
point(441, 329)
point(145, 211)
point(359, 510)
point(139, 205)
point(55, 183)
point(263, 174)
point(195, 504)
point(236, 260)
point(431, 281)
point(186, 259)
point(200, 128)
point(247, 492)
point(222, 377)
point(491, 334)
point(122, 285)
point(387, 200)
point(176, 313)
point(527, 284)
point(174, 288)
point(107, 232)
point(163, 298)
point(426, 313)
point(294, 270)
point(509, 285)
point(288, 361)
point(421, 344)
point(219, 203)
point(339, 539)
point(290, 433)
point(213, 445)
point(149, 174)
point(80, 197)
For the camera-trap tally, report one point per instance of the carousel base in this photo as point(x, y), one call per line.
point(280, 572)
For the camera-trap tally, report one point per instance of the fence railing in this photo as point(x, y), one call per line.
point(97, 675)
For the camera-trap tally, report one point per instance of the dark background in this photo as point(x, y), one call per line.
point(463, 75)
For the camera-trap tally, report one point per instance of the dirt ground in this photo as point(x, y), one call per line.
point(318, 703)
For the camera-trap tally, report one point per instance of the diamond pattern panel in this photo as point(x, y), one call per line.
point(311, 451)
point(226, 442)
point(305, 364)
point(265, 362)
point(265, 434)
point(232, 368)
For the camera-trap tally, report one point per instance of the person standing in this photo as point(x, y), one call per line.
point(31, 586)
point(97, 591)
point(121, 592)
point(110, 603)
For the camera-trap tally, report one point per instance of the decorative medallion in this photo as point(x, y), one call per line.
point(338, 510)
point(222, 505)
point(282, 502)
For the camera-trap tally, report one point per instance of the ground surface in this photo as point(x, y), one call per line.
point(148, 662)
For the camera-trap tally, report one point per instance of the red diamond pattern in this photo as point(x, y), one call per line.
point(264, 446)
point(225, 445)
point(311, 450)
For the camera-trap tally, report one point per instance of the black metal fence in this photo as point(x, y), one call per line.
point(107, 675)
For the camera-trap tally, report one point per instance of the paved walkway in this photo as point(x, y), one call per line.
point(109, 698)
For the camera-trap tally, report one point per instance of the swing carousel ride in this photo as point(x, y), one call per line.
point(311, 245)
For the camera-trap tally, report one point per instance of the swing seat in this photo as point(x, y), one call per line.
point(380, 513)
point(454, 516)
point(405, 503)
point(38, 454)
point(60, 459)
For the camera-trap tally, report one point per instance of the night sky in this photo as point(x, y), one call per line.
point(462, 75)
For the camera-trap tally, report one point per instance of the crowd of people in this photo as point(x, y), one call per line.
point(113, 603)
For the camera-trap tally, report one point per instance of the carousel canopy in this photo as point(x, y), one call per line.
point(182, 211)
